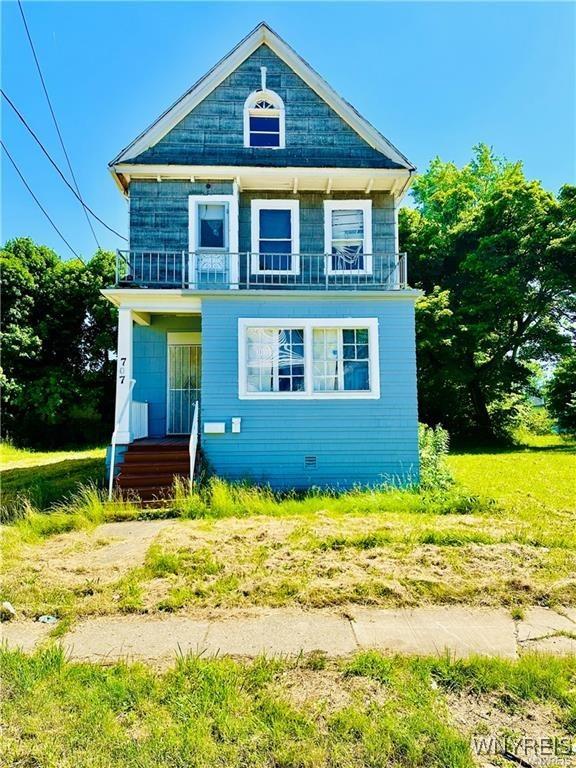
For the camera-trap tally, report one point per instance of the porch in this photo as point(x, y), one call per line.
point(158, 376)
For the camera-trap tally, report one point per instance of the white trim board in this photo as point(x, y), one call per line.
point(250, 177)
point(263, 34)
point(308, 324)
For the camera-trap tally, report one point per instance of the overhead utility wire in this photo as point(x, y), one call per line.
point(64, 179)
point(38, 203)
point(55, 121)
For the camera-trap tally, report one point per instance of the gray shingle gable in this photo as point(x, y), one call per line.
point(213, 132)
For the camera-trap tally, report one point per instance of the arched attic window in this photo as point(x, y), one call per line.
point(264, 120)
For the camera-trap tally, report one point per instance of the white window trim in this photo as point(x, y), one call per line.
point(259, 205)
point(279, 112)
point(308, 324)
point(338, 205)
point(232, 200)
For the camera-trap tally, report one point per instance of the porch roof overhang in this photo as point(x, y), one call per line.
point(144, 302)
point(395, 181)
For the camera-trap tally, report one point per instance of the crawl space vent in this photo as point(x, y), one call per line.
point(309, 462)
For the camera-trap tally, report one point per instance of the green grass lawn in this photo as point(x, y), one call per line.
point(369, 710)
point(45, 477)
point(525, 480)
point(505, 536)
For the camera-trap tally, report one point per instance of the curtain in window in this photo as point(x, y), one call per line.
point(275, 360)
point(347, 239)
point(340, 360)
point(325, 359)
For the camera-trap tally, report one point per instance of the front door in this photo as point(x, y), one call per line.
point(184, 370)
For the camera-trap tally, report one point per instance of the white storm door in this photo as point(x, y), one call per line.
point(213, 241)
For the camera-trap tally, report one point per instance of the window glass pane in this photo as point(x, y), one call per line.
point(345, 259)
point(275, 224)
point(269, 124)
point(275, 261)
point(275, 360)
point(274, 246)
point(326, 366)
point(264, 139)
point(347, 239)
point(348, 225)
point(340, 359)
point(212, 222)
point(356, 376)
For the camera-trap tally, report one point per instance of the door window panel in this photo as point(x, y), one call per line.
point(212, 225)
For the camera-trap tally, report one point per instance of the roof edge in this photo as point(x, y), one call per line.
point(263, 34)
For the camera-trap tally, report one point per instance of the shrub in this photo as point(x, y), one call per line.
point(433, 444)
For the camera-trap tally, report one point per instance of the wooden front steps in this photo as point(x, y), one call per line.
point(150, 467)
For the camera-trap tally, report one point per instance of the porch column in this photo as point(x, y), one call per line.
point(123, 376)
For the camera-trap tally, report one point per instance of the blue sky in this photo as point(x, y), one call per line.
point(435, 78)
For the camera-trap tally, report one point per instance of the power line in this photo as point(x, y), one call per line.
point(64, 179)
point(38, 203)
point(55, 121)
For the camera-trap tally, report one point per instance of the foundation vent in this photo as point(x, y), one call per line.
point(309, 462)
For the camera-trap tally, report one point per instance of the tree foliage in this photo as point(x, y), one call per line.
point(561, 393)
point(56, 335)
point(494, 254)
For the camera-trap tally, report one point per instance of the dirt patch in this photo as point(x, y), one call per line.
point(328, 690)
point(488, 720)
point(102, 555)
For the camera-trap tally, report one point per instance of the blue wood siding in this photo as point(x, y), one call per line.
point(354, 441)
point(159, 212)
point(213, 133)
point(159, 215)
point(150, 365)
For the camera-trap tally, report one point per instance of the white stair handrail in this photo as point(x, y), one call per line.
point(115, 436)
point(193, 444)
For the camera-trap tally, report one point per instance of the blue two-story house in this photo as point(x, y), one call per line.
point(263, 281)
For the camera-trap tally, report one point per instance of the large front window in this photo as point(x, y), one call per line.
point(307, 358)
point(275, 236)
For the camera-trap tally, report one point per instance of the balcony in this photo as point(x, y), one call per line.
point(218, 271)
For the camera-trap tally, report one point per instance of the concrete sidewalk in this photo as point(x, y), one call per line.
point(435, 630)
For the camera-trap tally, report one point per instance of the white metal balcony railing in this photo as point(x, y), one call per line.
point(213, 270)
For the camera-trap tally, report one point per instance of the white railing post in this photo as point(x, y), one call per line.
point(114, 440)
point(193, 444)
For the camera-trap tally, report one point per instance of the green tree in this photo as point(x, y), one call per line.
point(561, 393)
point(493, 252)
point(56, 334)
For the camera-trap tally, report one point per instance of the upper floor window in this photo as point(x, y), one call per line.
point(348, 236)
point(264, 120)
point(275, 235)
